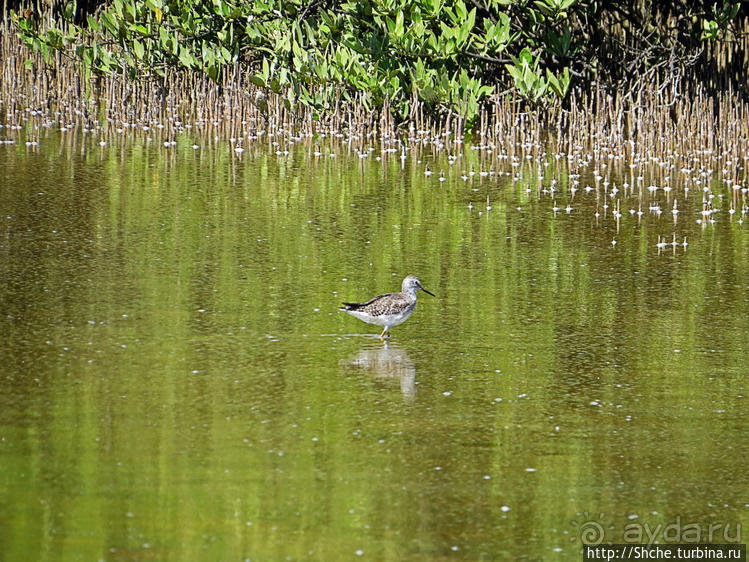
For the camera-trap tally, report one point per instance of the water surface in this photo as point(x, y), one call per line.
point(178, 383)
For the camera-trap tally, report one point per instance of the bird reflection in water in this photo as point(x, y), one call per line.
point(387, 363)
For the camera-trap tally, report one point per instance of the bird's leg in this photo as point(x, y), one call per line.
point(384, 331)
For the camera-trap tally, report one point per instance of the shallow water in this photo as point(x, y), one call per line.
point(178, 383)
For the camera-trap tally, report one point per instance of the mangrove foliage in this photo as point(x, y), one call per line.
point(449, 55)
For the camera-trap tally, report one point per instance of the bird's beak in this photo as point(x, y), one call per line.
point(427, 292)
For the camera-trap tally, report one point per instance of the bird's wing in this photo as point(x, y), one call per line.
point(389, 303)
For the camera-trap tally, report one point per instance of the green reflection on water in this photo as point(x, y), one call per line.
point(179, 385)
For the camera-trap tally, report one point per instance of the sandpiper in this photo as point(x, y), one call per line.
point(390, 309)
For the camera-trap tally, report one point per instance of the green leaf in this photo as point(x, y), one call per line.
point(467, 26)
point(553, 83)
point(138, 49)
point(515, 72)
point(257, 80)
point(710, 29)
point(460, 10)
point(109, 23)
point(93, 23)
point(390, 25)
point(130, 10)
point(399, 21)
point(186, 58)
point(119, 6)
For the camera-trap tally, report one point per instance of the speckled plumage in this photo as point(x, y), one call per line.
point(390, 309)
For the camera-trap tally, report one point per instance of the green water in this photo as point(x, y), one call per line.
point(178, 384)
